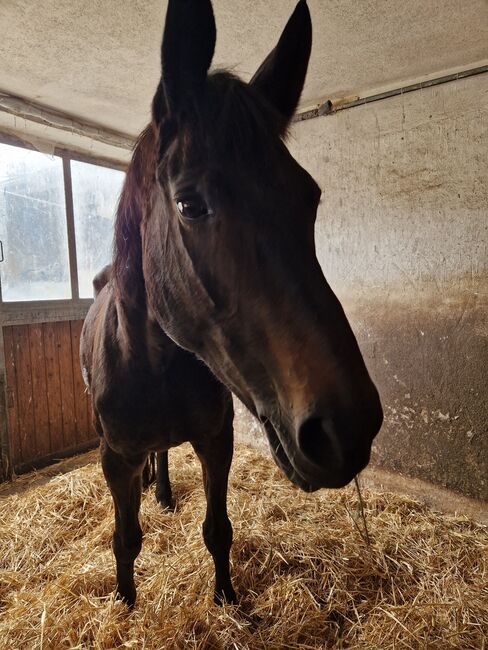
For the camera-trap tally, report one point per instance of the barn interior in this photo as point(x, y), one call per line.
point(392, 124)
point(401, 231)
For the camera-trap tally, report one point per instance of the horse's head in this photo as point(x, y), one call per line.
point(229, 257)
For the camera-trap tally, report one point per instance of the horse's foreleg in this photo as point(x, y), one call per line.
point(123, 477)
point(163, 485)
point(216, 456)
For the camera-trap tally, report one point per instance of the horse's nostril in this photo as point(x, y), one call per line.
point(318, 442)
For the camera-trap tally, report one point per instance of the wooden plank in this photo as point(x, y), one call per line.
point(27, 430)
point(53, 386)
point(83, 432)
point(5, 456)
point(65, 356)
point(39, 389)
point(12, 401)
point(46, 311)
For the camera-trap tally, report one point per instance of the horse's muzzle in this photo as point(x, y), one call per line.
point(331, 451)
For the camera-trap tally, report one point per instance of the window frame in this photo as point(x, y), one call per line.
point(18, 312)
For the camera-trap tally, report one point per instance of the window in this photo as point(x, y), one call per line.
point(95, 194)
point(42, 227)
point(33, 226)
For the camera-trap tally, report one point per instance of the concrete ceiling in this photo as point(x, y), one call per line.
point(99, 59)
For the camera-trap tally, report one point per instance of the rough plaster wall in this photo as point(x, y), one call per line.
point(402, 238)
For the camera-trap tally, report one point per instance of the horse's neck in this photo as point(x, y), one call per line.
point(140, 338)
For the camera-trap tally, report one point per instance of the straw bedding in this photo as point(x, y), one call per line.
point(304, 575)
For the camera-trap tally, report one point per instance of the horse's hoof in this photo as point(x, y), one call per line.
point(128, 598)
point(166, 504)
point(225, 597)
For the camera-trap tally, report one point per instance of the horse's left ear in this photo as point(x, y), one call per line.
point(186, 52)
point(281, 76)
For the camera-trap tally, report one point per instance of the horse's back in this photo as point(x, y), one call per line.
point(101, 279)
point(91, 327)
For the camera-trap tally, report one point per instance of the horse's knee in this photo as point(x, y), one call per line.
point(127, 548)
point(217, 535)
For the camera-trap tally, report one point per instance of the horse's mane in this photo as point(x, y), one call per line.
point(133, 201)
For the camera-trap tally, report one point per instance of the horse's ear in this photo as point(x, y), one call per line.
point(281, 76)
point(187, 51)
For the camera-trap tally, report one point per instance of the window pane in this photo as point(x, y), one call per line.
point(95, 194)
point(33, 226)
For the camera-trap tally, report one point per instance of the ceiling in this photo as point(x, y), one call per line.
point(99, 59)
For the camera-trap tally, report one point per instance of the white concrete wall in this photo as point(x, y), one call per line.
point(404, 189)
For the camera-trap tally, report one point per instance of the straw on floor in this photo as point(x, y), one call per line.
point(304, 575)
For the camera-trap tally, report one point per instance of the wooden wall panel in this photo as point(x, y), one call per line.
point(39, 390)
point(65, 359)
point(53, 394)
point(83, 423)
point(11, 391)
point(25, 397)
point(48, 407)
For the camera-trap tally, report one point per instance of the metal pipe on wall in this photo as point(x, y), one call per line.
point(329, 107)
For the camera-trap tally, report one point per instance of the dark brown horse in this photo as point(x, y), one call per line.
point(215, 288)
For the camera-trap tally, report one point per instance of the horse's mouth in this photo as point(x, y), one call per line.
point(308, 481)
point(281, 459)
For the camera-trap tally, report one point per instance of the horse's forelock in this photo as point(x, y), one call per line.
point(231, 123)
point(238, 116)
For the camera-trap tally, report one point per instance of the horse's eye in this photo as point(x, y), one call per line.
point(193, 208)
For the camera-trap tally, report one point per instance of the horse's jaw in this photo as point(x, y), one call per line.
point(281, 459)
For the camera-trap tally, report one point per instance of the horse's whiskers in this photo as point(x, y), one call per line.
point(359, 514)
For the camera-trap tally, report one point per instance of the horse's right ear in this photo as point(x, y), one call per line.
point(281, 76)
point(186, 53)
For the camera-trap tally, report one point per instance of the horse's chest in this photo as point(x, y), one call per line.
point(157, 416)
